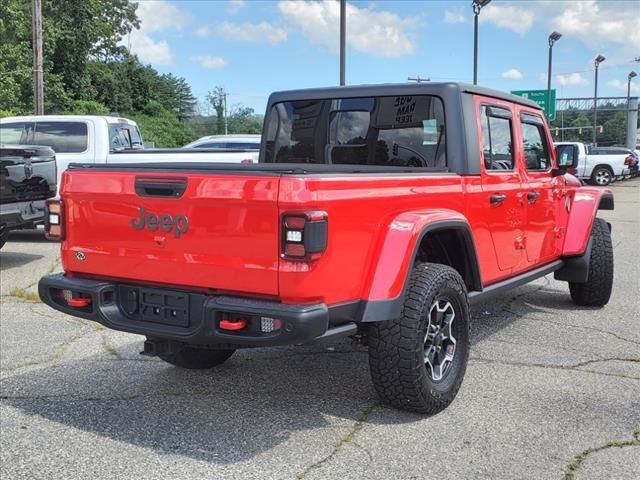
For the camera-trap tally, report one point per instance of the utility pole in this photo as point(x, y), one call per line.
point(343, 41)
point(38, 80)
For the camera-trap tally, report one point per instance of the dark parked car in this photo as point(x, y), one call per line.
point(27, 179)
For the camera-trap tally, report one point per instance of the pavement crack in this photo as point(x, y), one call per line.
point(599, 330)
point(361, 419)
point(577, 461)
point(575, 367)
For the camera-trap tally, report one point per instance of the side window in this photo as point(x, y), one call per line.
point(16, 133)
point(63, 137)
point(497, 138)
point(536, 148)
point(218, 145)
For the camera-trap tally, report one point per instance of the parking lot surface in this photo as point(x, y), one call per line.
point(551, 391)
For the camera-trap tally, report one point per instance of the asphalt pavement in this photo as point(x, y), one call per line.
point(552, 391)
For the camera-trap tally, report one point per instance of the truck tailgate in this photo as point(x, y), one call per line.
point(211, 230)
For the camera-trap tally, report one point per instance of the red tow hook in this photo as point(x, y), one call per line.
point(234, 325)
point(79, 302)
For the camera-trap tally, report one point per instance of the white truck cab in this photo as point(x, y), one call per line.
point(600, 166)
point(103, 139)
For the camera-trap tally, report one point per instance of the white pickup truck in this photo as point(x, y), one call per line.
point(103, 139)
point(600, 166)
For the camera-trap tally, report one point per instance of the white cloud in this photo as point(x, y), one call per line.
point(202, 32)
point(453, 16)
point(510, 17)
point(513, 74)
point(234, 5)
point(209, 62)
point(622, 86)
point(598, 23)
point(250, 32)
point(378, 33)
point(155, 16)
point(571, 79)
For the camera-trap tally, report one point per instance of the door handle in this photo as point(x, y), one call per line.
point(497, 198)
point(532, 196)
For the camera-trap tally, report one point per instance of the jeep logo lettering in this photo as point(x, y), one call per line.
point(179, 223)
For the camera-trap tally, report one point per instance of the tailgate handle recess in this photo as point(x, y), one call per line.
point(160, 186)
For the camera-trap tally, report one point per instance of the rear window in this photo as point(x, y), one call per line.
point(63, 137)
point(405, 131)
point(11, 132)
point(123, 136)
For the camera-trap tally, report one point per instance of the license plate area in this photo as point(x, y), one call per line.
point(154, 305)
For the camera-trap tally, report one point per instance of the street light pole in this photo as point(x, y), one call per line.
point(343, 38)
point(599, 59)
point(554, 37)
point(477, 6)
point(630, 127)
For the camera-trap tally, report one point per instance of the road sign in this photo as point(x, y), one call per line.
point(540, 97)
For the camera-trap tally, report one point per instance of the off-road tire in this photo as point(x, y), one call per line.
point(196, 358)
point(396, 347)
point(597, 289)
point(602, 176)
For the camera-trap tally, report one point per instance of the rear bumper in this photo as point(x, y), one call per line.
point(188, 317)
point(22, 214)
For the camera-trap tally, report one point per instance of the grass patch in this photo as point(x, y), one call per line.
point(24, 295)
point(578, 459)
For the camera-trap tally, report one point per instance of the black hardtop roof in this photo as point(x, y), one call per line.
point(442, 89)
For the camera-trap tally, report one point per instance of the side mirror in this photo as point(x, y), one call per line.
point(567, 157)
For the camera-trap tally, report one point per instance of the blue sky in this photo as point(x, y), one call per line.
point(254, 47)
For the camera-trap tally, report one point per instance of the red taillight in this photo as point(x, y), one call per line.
point(54, 220)
point(304, 235)
point(629, 160)
point(247, 160)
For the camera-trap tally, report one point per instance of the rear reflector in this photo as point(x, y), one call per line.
point(268, 324)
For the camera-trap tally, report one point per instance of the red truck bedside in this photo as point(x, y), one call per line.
point(378, 212)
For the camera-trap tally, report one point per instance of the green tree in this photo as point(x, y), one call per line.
point(244, 120)
point(74, 32)
point(162, 127)
point(217, 98)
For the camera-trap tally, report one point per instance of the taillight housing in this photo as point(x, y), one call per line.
point(304, 235)
point(629, 160)
point(54, 219)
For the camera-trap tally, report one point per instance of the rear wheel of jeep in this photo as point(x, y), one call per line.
point(597, 289)
point(417, 362)
point(196, 358)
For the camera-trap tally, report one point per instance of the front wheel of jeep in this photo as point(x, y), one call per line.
point(596, 291)
point(418, 361)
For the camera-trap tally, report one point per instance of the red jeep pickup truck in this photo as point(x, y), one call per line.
point(378, 212)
